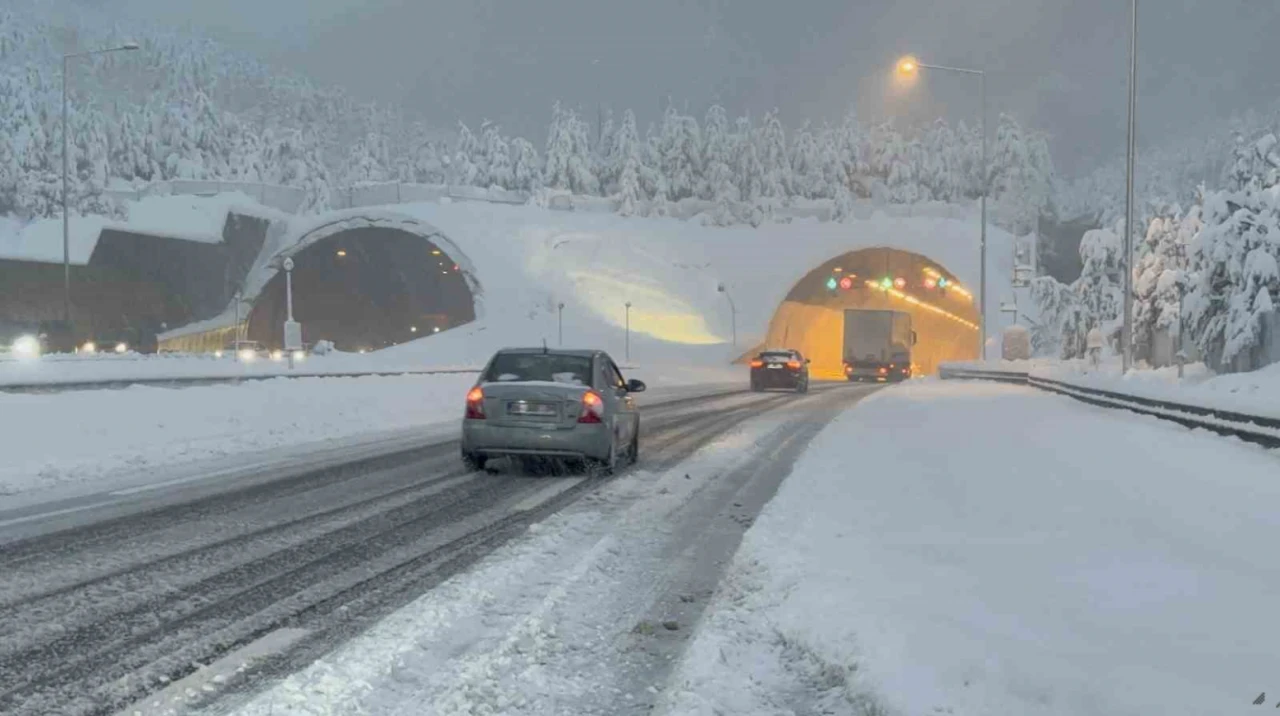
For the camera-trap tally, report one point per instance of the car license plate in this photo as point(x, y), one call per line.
point(521, 407)
point(774, 366)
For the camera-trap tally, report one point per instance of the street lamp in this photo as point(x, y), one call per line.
point(560, 322)
point(1126, 328)
point(909, 66)
point(66, 219)
point(292, 329)
point(733, 312)
point(628, 352)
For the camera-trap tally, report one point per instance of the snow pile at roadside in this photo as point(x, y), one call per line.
point(1253, 393)
point(93, 439)
point(969, 548)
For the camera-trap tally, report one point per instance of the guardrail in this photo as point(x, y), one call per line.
point(199, 381)
point(1256, 429)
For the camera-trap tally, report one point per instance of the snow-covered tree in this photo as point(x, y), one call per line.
point(526, 168)
point(1234, 270)
point(771, 149)
point(499, 166)
point(679, 152)
point(1160, 271)
point(465, 169)
point(569, 160)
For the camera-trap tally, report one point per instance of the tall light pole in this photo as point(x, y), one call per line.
point(910, 66)
point(66, 218)
point(560, 322)
point(628, 353)
point(733, 312)
point(1126, 328)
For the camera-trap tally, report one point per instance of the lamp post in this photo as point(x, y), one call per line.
point(733, 313)
point(628, 349)
point(560, 322)
point(66, 218)
point(910, 66)
point(1126, 328)
point(292, 329)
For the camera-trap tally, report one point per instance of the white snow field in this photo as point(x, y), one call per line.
point(967, 548)
point(65, 444)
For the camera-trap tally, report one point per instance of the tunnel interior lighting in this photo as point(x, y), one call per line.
point(927, 306)
point(341, 253)
point(837, 269)
point(435, 252)
point(413, 329)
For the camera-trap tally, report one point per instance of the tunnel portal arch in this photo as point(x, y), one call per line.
point(811, 316)
point(368, 282)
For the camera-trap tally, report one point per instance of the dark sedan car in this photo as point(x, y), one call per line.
point(781, 369)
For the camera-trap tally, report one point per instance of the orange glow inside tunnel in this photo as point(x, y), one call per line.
point(811, 318)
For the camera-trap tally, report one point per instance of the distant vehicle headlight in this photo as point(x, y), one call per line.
point(217, 354)
point(89, 348)
point(247, 355)
point(122, 348)
point(277, 355)
point(26, 347)
point(299, 355)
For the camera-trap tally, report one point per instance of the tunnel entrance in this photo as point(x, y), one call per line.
point(943, 311)
point(366, 288)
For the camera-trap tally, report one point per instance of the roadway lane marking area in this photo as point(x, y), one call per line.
point(178, 697)
point(544, 495)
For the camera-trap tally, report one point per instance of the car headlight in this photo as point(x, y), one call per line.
point(122, 348)
point(217, 354)
point(248, 356)
point(26, 347)
point(277, 355)
point(89, 348)
point(299, 355)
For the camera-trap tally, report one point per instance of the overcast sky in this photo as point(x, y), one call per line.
point(1059, 65)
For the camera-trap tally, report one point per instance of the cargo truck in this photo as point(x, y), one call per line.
point(877, 345)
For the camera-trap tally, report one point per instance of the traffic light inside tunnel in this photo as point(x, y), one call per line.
point(943, 311)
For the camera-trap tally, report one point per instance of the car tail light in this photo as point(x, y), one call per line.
point(883, 371)
point(475, 404)
point(793, 364)
point(592, 408)
point(848, 368)
point(757, 364)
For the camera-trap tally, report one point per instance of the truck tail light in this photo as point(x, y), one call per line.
point(592, 408)
point(475, 404)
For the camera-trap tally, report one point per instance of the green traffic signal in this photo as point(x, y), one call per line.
point(831, 283)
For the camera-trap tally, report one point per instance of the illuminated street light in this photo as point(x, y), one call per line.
point(413, 329)
point(909, 66)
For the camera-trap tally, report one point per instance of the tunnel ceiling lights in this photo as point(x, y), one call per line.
point(927, 306)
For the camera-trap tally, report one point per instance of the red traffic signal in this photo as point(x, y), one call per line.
point(846, 283)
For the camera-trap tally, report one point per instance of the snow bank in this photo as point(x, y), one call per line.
point(1018, 553)
point(1254, 393)
point(90, 440)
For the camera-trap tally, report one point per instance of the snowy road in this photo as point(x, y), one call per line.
point(95, 618)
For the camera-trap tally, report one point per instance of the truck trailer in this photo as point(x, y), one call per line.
point(877, 345)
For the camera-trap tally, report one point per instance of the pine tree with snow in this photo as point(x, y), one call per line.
point(569, 159)
point(748, 171)
point(465, 169)
point(1160, 271)
point(526, 167)
point(772, 153)
point(497, 152)
point(680, 154)
point(1233, 264)
point(806, 175)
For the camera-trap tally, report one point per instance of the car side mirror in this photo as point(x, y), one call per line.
point(914, 338)
point(807, 361)
point(635, 386)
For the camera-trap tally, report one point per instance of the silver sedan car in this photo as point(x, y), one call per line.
point(539, 402)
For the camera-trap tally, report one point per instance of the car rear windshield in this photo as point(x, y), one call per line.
point(551, 367)
point(774, 357)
